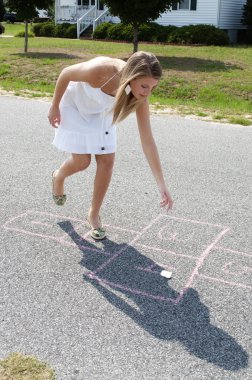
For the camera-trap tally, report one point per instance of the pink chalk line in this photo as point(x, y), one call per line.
point(172, 238)
point(195, 272)
point(193, 221)
point(165, 251)
point(244, 270)
point(232, 251)
point(225, 282)
point(149, 269)
point(92, 275)
point(60, 239)
point(203, 257)
point(125, 247)
point(199, 261)
point(130, 290)
point(74, 219)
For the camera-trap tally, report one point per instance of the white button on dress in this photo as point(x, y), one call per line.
point(86, 121)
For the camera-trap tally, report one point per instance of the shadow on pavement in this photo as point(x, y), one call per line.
point(187, 322)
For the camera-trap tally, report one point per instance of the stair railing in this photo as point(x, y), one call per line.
point(86, 20)
point(104, 16)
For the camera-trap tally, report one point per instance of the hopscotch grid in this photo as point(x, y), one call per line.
point(191, 279)
point(60, 241)
point(204, 256)
point(62, 238)
point(82, 221)
point(125, 247)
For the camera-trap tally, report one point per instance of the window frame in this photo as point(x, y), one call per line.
point(191, 7)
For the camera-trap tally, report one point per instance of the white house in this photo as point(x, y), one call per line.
point(224, 14)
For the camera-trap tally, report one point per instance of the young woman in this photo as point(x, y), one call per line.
point(89, 99)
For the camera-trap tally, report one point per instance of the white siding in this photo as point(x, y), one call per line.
point(206, 13)
point(231, 14)
point(225, 14)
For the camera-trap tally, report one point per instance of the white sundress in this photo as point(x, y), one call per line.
point(86, 121)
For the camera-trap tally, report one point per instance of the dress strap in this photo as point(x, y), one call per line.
point(104, 84)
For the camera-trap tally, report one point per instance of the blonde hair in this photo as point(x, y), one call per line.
point(140, 64)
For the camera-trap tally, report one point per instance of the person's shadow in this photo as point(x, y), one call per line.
point(187, 321)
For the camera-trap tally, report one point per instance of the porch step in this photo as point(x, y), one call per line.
point(87, 34)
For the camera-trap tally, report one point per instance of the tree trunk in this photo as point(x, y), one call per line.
point(135, 38)
point(26, 36)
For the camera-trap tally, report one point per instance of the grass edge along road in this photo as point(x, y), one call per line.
point(208, 82)
point(22, 367)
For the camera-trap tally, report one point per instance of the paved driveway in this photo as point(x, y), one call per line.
point(102, 311)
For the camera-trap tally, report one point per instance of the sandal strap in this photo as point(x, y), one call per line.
point(98, 233)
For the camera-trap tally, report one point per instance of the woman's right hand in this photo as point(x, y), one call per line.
point(54, 116)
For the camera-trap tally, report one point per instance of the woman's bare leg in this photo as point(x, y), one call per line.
point(103, 176)
point(74, 164)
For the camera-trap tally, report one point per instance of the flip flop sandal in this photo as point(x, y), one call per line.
point(97, 233)
point(59, 200)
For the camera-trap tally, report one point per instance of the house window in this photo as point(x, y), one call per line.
point(185, 4)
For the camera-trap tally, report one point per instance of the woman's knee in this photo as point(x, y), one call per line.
point(81, 161)
point(106, 161)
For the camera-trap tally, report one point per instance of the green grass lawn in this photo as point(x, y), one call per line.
point(12, 29)
point(208, 81)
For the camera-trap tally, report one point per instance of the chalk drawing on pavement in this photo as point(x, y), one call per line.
point(189, 248)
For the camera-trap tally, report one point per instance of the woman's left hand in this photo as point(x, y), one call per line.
point(166, 200)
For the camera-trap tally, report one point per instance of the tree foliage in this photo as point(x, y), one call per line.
point(2, 9)
point(247, 14)
point(27, 10)
point(137, 12)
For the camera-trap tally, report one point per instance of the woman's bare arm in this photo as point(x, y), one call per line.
point(91, 71)
point(151, 152)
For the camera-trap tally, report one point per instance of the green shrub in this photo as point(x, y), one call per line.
point(148, 32)
point(153, 32)
point(36, 29)
point(101, 32)
point(60, 29)
point(120, 32)
point(127, 32)
point(22, 34)
point(124, 32)
point(198, 34)
point(2, 28)
point(248, 38)
point(116, 32)
point(217, 37)
point(164, 32)
point(71, 31)
point(47, 29)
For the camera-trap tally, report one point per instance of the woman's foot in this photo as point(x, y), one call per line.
point(58, 189)
point(97, 232)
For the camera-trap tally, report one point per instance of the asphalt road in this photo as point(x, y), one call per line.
point(102, 311)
